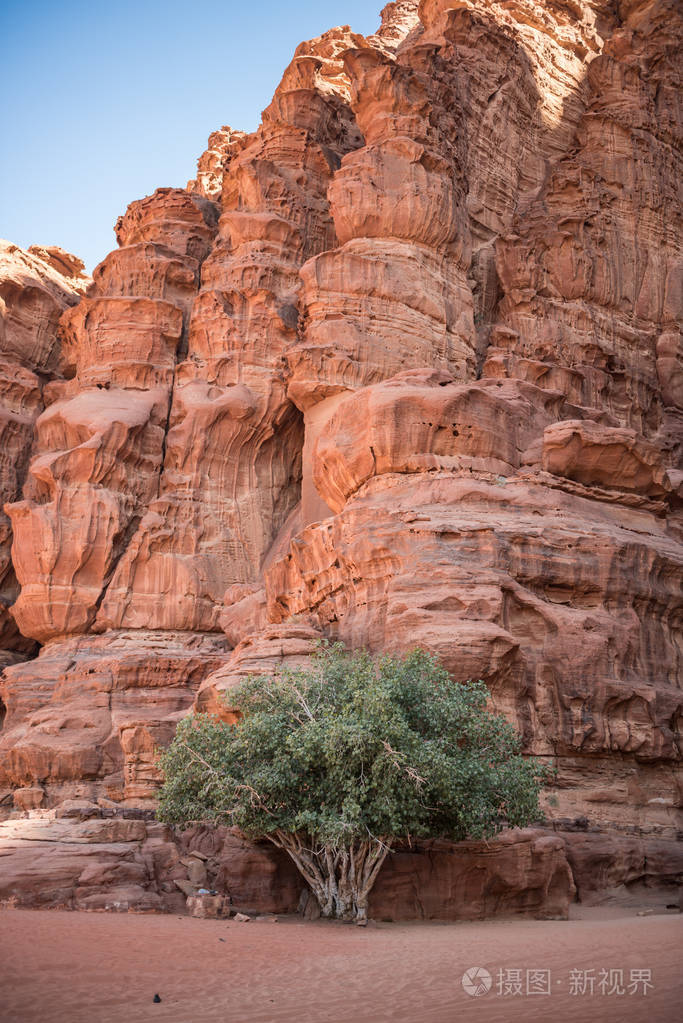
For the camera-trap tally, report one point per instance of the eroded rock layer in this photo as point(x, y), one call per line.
point(403, 367)
point(93, 859)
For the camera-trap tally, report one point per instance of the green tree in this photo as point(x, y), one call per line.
point(337, 763)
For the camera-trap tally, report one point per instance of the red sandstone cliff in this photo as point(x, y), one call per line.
point(35, 288)
point(403, 367)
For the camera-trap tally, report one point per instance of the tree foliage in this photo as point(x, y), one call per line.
point(337, 762)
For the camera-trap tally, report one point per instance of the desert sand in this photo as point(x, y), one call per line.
point(61, 967)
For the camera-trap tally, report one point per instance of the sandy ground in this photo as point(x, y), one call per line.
point(62, 967)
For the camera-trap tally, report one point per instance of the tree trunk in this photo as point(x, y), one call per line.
point(341, 878)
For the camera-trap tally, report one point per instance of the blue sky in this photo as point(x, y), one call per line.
point(105, 101)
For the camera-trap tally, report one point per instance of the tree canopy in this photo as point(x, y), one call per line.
point(337, 762)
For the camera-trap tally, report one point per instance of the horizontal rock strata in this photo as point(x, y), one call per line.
point(86, 860)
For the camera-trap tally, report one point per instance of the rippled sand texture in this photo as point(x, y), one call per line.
point(73, 967)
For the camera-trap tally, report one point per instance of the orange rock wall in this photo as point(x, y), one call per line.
point(35, 288)
point(403, 367)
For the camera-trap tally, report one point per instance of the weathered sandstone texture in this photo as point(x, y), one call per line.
point(403, 367)
point(84, 857)
point(35, 288)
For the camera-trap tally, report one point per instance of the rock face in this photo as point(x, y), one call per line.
point(403, 367)
point(82, 860)
point(35, 288)
point(85, 717)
